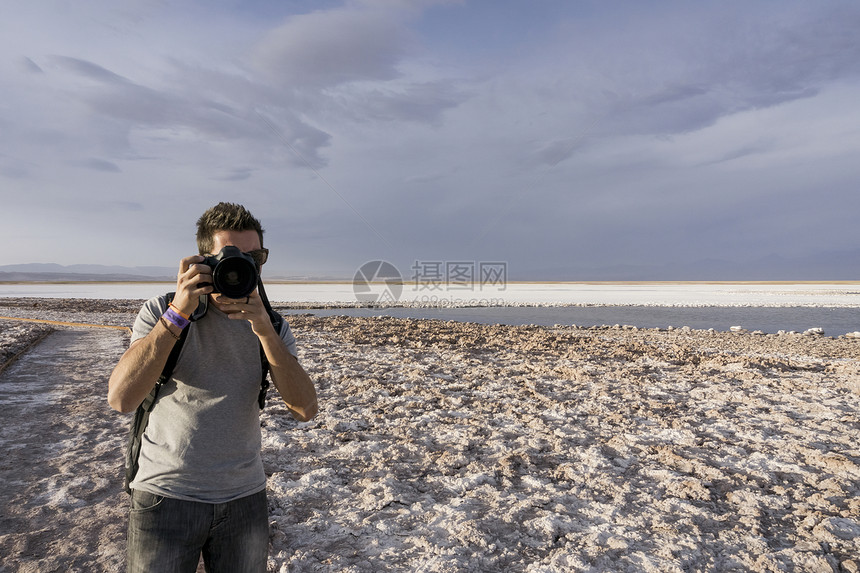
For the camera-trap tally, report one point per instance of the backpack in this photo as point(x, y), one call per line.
point(141, 415)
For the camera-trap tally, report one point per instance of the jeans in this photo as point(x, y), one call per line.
point(169, 535)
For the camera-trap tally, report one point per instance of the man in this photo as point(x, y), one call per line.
point(200, 487)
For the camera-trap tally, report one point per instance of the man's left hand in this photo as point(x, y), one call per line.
point(250, 308)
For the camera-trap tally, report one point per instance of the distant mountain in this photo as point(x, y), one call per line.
point(52, 272)
point(825, 266)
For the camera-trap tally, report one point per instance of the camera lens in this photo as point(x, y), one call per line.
point(235, 277)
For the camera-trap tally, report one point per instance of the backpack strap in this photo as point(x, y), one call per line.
point(278, 323)
point(264, 382)
point(141, 414)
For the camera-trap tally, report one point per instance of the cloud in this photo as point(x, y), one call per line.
point(216, 107)
point(89, 70)
point(15, 171)
point(29, 66)
point(237, 174)
point(328, 48)
point(539, 135)
point(321, 68)
point(131, 206)
point(100, 165)
point(420, 102)
point(553, 152)
point(353, 61)
point(752, 149)
point(679, 69)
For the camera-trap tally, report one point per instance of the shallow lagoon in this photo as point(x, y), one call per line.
point(835, 307)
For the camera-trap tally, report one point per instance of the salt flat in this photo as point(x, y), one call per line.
point(444, 446)
point(512, 293)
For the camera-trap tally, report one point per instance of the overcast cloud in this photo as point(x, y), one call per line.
point(559, 137)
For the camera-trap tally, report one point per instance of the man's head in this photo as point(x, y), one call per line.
point(224, 217)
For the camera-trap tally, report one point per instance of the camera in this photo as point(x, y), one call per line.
point(234, 274)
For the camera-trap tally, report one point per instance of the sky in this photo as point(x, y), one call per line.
point(559, 137)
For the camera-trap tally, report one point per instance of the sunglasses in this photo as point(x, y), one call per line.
point(260, 256)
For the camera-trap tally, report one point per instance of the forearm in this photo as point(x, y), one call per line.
point(139, 368)
point(141, 365)
point(293, 383)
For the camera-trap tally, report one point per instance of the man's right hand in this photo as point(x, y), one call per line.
point(192, 273)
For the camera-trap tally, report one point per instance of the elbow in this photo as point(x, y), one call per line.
point(113, 400)
point(118, 400)
point(116, 403)
point(307, 413)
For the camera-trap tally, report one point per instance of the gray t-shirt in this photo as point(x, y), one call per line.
point(202, 442)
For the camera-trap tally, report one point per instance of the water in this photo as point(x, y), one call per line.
point(834, 321)
point(766, 307)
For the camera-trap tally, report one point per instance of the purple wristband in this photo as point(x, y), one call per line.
point(175, 318)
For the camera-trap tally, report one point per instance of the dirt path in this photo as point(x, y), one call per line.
point(62, 509)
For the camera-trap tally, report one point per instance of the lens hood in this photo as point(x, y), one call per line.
point(234, 274)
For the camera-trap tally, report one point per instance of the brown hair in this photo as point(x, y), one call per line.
point(224, 217)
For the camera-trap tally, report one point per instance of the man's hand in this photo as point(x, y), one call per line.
point(251, 309)
point(192, 273)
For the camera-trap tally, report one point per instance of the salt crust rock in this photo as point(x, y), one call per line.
point(836, 528)
point(485, 448)
point(15, 337)
point(450, 447)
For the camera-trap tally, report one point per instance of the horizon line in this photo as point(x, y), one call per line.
point(489, 287)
